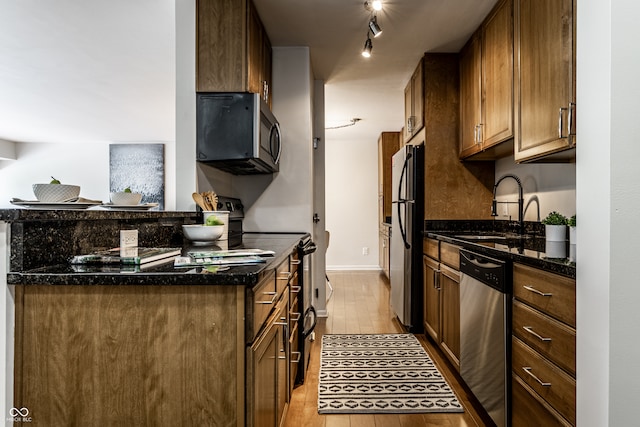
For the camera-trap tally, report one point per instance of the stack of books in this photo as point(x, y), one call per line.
point(135, 256)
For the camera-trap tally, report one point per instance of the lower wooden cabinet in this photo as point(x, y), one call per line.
point(441, 293)
point(543, 348)
point(130, 355)
point(267, 366)
point(148, 355)
point(385, 249)
point(530, 410)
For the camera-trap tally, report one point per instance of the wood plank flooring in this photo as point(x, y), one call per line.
point(360, 304)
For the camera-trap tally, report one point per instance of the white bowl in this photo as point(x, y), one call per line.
point(199, 233)
point(122, 198)
point(53, 193)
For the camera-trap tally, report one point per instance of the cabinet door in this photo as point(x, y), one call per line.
point(470, 98)
point(255, 30)
point(431, 306)
point(450, 294)
point(408, 112)
point(497, 76)
point(388, 144)
point(545, 77)
point(264, 389)
point(221, 46)
point(418, 97)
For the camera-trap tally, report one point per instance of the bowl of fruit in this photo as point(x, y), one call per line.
point(125, 197)
point(56, 192)
point(202, 234)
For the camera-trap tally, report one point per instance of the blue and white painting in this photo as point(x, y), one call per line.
point(139, 167)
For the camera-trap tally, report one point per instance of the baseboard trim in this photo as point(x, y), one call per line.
point(353, 268)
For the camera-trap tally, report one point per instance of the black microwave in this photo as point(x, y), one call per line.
point(237, 133)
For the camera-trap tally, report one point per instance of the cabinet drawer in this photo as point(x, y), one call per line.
point(450, 255)
point(262, 299)
point(550, 382)
point(431, 247)
point(283, 275)
point(550, 293)
point(554, 340)
point(529, 409)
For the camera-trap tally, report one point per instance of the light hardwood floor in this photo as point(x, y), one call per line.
point(360, 304)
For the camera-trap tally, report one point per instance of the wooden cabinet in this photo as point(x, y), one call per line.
point(441, 295)
point(267, 368)
point(414, 103)
point(130, 355)
point(388, 144)
point(233, 49)
point(545, 84)
point(295, 316)
point(486, 87)
point(453, 189)
point(202, 355)
point(385, 249)
point(543, 347)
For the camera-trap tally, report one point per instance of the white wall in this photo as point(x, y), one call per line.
point(352, 203)
point(284, 201)
point(608, 182)
point(546, 188)
point(185, 146)
point(86, 165)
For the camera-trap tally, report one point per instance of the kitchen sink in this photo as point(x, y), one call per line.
point(500, 236)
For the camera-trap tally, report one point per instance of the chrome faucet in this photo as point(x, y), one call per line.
point(494, 203)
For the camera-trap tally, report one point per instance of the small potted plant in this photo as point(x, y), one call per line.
point(572, 230)
point(555, 227)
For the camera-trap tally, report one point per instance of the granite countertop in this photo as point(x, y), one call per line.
point(165, 274)
point(531, 250)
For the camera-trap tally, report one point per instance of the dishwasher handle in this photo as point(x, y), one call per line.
point(481, 261)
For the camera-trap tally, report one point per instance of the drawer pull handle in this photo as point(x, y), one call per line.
point(535, 291)
point(297, 316)
point(527, 369)
point(296, 289)
point(532, 332)
point(298, 356)
point(274, 296)
point(295, 261)
point(285, 275)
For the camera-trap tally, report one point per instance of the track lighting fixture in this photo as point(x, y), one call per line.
point(368, 46)
point(374, 27)
point(373, 5)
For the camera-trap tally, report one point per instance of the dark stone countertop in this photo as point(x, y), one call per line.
point(43, 241)
point(532, 250)
point(165, 274)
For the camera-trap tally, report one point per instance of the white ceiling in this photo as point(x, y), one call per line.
point(104, 70)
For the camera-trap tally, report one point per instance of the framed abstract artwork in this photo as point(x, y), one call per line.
point(139, 167)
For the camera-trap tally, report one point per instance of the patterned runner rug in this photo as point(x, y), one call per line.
point(380, 373)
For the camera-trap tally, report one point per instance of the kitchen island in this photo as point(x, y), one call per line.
point(159, 346)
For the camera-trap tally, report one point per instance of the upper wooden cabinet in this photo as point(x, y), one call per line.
point(414, 103)
point(233, 49)
point(545, 80)
point(486, 87)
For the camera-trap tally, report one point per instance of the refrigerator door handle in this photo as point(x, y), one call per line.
point(401, 201)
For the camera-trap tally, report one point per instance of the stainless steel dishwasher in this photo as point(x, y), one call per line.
point(485, 330)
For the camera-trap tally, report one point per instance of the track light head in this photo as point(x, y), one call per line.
point(368, 47)
point(372, 5)
point(374, 27)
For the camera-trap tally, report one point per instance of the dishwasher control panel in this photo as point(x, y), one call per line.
point(488, 270)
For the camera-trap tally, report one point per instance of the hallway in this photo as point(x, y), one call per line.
point(360, 304)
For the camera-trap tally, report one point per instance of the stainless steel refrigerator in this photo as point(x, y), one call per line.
point(407, 220)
